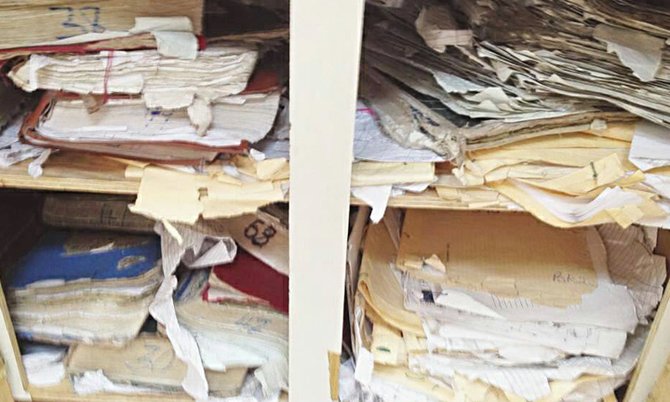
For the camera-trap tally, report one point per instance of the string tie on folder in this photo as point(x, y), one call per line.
point(108, 71)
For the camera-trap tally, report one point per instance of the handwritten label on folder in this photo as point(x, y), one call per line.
point(79, 20)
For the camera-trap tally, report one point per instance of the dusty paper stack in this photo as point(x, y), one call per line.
point(182, 108)
point(499, 306)
point(84, 287)
point(247, 328)
point(222, 313)
point(383, 168)
point(147, 364)
point(574, 179)
point(535, 107)
point(173, 100)
point(232, 306)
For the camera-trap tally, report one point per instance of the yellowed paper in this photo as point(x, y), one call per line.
point(267, 169)
point(597, 174)
point(378, 173)
point(618, 131)
point(388, 346)
point(169, 195)
point(576, 140)
point(379, 286)
point(182, 197)
point(507, 254)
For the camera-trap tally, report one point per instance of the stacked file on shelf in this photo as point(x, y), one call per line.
point(141, 86)
point(531, 107)
point(235, 334)
point(184, 110)
point(84, 287)
point(475, 304)
point(571, 179)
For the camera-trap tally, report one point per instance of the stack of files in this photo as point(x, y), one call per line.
point(87, 26)
point(452, 76)
point(147, 364)
point(142, 105)
point(615, 52)
point(509, 109)
point(617, 174)
point(84, 287)
point(130, 83)
point(236, 331)
point(450, 98)
point(466, 305)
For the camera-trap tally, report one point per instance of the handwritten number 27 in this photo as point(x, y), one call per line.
point(83, 19)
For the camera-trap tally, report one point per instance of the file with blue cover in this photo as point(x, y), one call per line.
point(69, 256)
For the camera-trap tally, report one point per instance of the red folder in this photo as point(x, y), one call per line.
point(251, 276)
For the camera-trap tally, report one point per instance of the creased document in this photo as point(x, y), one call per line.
point(176, 242)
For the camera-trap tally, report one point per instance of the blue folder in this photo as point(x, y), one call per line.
point(72, 255)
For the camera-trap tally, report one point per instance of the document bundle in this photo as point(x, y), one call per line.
point(176, 107)
point(460, 305)
point(94, 310)
point(84, 287)
point(239, 330)
point(551, 108)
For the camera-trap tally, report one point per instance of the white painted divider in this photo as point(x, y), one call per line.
point(325, 52)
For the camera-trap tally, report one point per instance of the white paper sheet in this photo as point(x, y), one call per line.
point(163, 310)
point(365, 365)
point(371, 144)
point(45, 368)
point(569, 338)
point(376, 197)
point(637, 50)
point(573, 209)
point(12, 151)
point(93, 382)
point(651, 146)
point(126, 120)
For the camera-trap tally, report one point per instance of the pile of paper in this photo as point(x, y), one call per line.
point(456, 100)
point(150, 90)
point(536, 108)
point(442, 72)
point(84, 287)
point(189, 110)
point(573, 179)
point(499, 306)
point(617, 53)
point(147, 364)
point(239, 321)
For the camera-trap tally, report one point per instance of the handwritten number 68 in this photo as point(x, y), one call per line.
point(259, 232)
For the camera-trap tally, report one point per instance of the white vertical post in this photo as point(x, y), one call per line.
point(325, 52)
